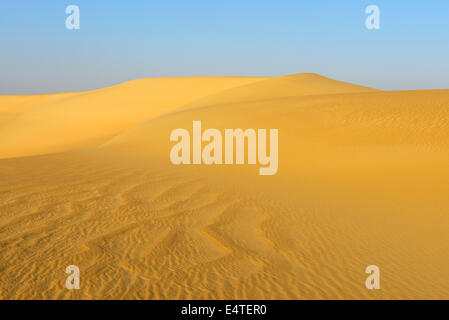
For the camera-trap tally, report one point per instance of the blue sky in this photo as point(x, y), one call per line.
point(124, 40)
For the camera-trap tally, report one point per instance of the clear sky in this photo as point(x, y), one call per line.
point(124, 40)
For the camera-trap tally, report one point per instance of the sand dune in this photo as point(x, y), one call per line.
point(11, 107)
point(76, 121)
point(297, 85)
point(362, 180)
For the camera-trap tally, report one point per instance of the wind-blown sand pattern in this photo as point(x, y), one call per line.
point(363, 179)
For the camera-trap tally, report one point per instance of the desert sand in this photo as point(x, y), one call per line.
point(363, 179)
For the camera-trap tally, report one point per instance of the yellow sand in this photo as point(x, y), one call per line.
point(85, 179)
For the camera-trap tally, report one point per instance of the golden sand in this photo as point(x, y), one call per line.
point(85, 179)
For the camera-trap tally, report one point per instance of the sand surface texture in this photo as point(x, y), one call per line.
point(363, 179)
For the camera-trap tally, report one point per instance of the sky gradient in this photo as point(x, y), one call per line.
point(124, 40)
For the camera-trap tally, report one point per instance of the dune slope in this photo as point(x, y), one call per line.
point(76, 121)
point(362, 180)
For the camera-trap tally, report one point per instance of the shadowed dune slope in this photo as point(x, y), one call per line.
point(297, 85)
point(317, 132)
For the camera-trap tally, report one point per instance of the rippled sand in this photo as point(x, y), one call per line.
point(85, 179)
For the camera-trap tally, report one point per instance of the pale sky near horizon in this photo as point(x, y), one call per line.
point(124, 40)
